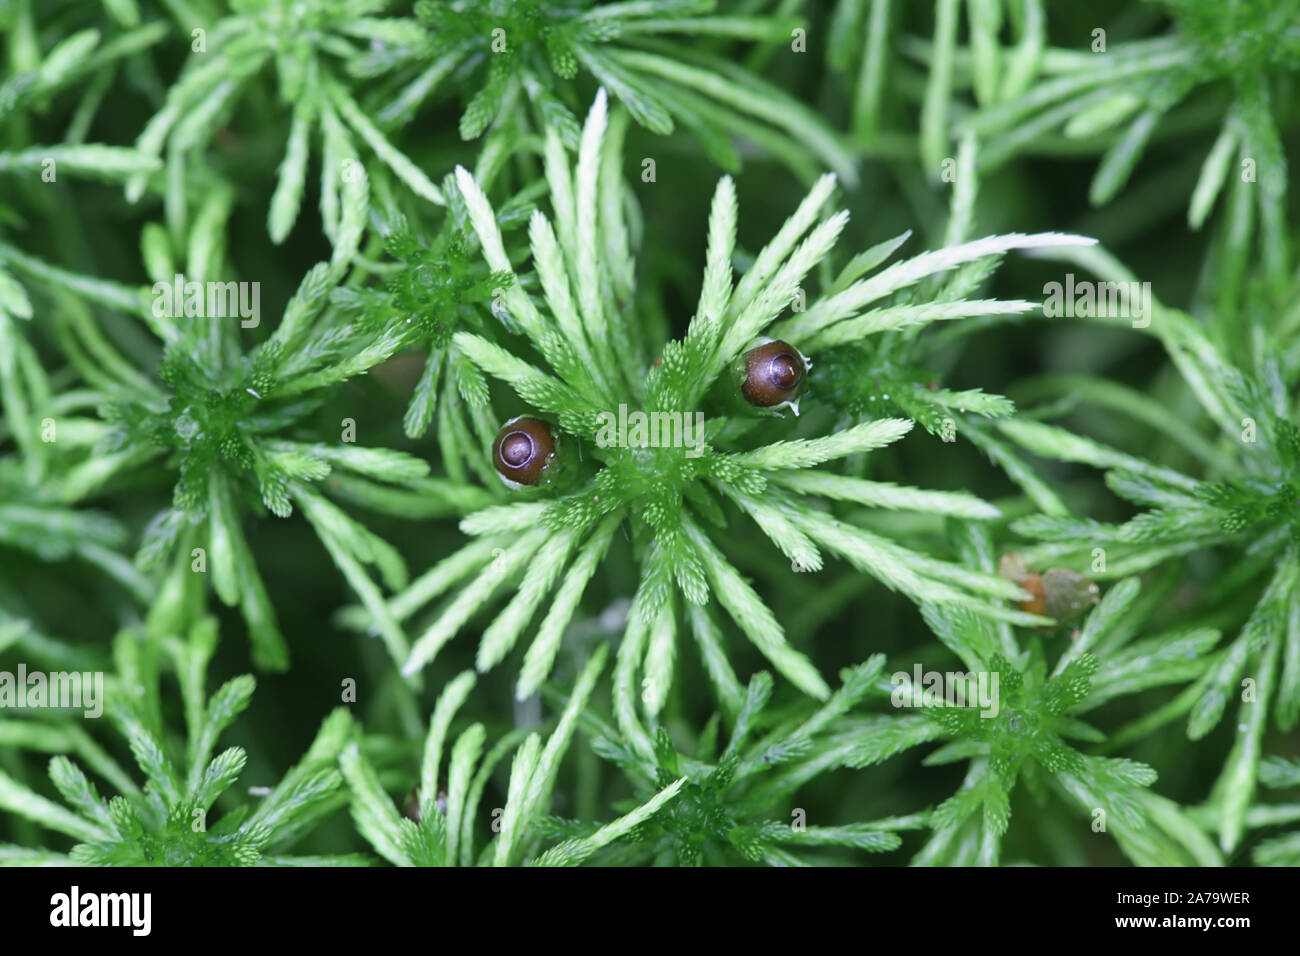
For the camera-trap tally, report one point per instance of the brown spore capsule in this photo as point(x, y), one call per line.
point(774, 374)
point(1056, 593)
point(521, 451)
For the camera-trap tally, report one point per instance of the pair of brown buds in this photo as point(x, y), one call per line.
point(774, 373)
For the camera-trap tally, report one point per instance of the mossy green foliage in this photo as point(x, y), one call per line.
point(698, 651)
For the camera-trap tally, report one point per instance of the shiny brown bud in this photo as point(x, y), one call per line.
point(522, 450)
point(774, 374)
